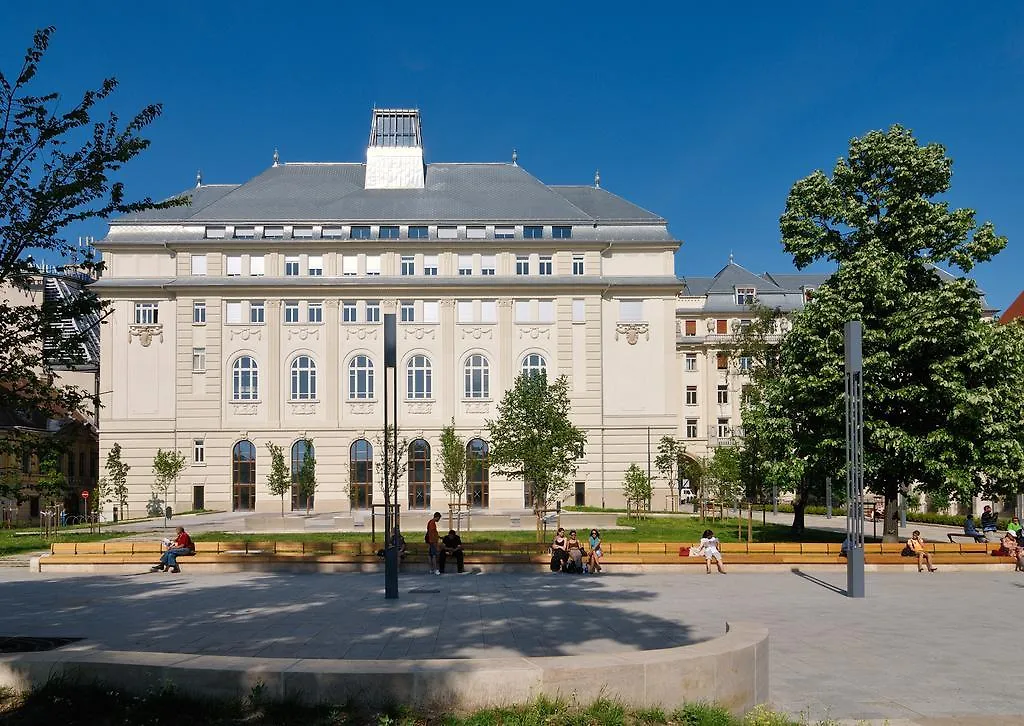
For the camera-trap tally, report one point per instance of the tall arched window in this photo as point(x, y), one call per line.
point(419, 474)
point(478, 377)
point(360, 468)
point(303, 378)
point(245, 379)
point(299, 448)
point(360, 377)
point(243, 476)
point(535, 363)
point(477, 473)
point(418, 378)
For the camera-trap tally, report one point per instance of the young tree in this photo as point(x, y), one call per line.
point(534, 440)
point(279, 481)
point(670, 452)
point(167, 466)
point(51, 484)
point(385, 443)
point(933, 367)
point(306, 479)
point(636, 486)
point(453, 463)
point(56, 168)
point(724, 480)
point(117, 476)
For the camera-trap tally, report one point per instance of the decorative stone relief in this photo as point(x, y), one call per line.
point(534, 332)
point(361, 408)
point(245, 408)
point(478, 333)
point(145, 333)
point(361, 332)
point(477, 406)
point(420, 407)
point(302, 408)
point(632, 332)
point(504, 302)
point(304, 332)
point(419, 332)
point(245, 333)
point(711, 325)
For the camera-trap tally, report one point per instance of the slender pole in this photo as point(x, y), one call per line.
point(390, 456)
point(854, 461)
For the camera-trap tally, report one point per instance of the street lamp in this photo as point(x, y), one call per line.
point(391, 548)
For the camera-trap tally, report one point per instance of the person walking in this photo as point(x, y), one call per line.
point(709, 547)
point(433, 540)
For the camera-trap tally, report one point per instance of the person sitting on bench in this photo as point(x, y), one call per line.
point(182, 546)
point(397, 540)
point(971, 530)
point(575, 548)
point(989, 522)
point(915, 548)
point(559, 554)
point(451, 546)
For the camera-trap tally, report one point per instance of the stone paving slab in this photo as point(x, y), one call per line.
point(831, 656)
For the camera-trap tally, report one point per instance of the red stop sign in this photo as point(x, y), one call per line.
point(85, 494)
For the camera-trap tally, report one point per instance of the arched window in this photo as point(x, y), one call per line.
point(418, 378)
point(299, 448)
point(360, 472)
point(303, 378)
point(477, 473)
point(245, 379)
point(360, 377)
point(243, 476)
point(478, 377)
point(535, 363)
point(419, 474)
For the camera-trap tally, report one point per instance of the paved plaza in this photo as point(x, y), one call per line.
point(831, 656)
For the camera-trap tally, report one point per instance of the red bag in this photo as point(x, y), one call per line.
point(684, 551)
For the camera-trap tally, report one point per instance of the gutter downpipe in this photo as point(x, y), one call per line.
point(163, 289)
point(601, 323)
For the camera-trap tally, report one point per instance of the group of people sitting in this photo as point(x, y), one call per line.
point(1012, 541)
point(568, 553)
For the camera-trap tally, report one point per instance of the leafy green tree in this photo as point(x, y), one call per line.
point(117, 476)
point(724, 480)
point(279, 481)
point(51, 484)
point(636, 487)
point(56, 169)
point(167, 467)
point(306, 479)
point(670, 453)
point(533, 439)
point(453, 463)
point(934, 368)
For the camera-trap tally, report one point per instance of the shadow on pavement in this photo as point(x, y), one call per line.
point(817, 581)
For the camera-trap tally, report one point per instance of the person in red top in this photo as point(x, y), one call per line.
point(433, 540)
point(181, 546)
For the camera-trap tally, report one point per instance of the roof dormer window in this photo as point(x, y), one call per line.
point(745, 295)
point(808, 293)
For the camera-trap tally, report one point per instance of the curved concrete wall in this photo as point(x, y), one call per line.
point(732, 670)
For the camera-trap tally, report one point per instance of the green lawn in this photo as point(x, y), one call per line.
point(12, 544)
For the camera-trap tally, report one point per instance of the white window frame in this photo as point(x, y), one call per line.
point(214, 232)
point(315, 313)
point(303, 378)
point(257, 312)
point(745, 295)
point(315, 266)
point(291, 266)
point(408, 265)
point(349, 311)
point(488, 264)
point(477, 377)
point(546, 265)
point(476, 232)
point(332, 232)
point(419, 383)
point(291, 310)
point(373, 311)
point(199, 360)
point(504, 232)
point(723, 394)
point(691, 396)
point(724, 429)
point(430, 265)
point(147, 313)
point(690, 362)
point(198, 451)
point(239, 373)
point(198, 265)
point(360, 378)
point(407, 311)
point(465, 265)
point(522, 264)
point(546, 311)
point(245, 232)
point(257, 265)
point(578, 265)
point(534, 363)
point(302, 233)
point(692, 428)
point(199, 312)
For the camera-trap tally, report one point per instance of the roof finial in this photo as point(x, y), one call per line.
point(277, 157)
point(730, 257)
point(199, 178)
point(515, 158)
point(597, 179)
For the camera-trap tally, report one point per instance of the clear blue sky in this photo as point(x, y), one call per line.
point(704, 115)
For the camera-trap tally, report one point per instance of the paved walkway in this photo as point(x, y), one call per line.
point(831, 656)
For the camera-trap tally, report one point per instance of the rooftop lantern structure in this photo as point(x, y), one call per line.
point(394, 156)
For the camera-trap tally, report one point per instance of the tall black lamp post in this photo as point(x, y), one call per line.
point(390, 453)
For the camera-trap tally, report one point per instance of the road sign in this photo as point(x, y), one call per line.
point(85, 494)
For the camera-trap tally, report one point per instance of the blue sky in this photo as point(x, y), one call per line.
point(704, 115)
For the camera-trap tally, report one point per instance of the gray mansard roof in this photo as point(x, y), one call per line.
point(457, 192)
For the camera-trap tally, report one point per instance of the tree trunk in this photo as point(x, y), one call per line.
point(891, 522)
point(282, 506)
point(799, 503)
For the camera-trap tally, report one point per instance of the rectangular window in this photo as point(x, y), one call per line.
point(387, 232)
point(522, 311)
point(332, 232)
point(476, 232)
point(504, 232)
point(408, 265)
point(488, 264)
point(722, 327)
point(691, 395)
point(348, 312)
point(431, 311)
point(447, 232)
point(408, 311)
point(373, 311)
point(578, 311)
point(691, 428)
point(199, 312)
point(234, 265)
point(546, 311)
point(198, 360)
point(147, 313)
point(724, 430)
point(291, 266)
point(561, 232)
point(522, 264)
point(545, 267)
point(418, 232)
point(631, 310)
point(315, 312)
point(691, 362)
point(214, 233)
point(316, 265)
point(689, 328)
point(464, 311)
point(808, 294)
point(291, 311)
point(257, 265)
point(198, 451)
point(198, 264)
point(465, 265)
point(373, 264)
point(257, 312)
point(302, 232)
point(533, 232)
point(723, 394)
point(245, 233)
point(745, 295)
point(430, 265)
point(349, 265)
point(233, 314)
point(273, 232)
point(744, 363)
point(488, 311)
point(577, 264)
point(722, 361)
point(360, 231)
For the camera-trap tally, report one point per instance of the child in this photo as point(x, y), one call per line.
point(709, 546)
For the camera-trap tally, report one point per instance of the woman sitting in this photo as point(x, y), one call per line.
point(575, 548)
point(915, 548)
point(594, 562)
point(559, 552)
point(1013, 549)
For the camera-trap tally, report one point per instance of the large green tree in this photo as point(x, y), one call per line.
point(533, 439)
point(934, 367)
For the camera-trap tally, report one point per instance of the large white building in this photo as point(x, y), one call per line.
point(253, 315)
